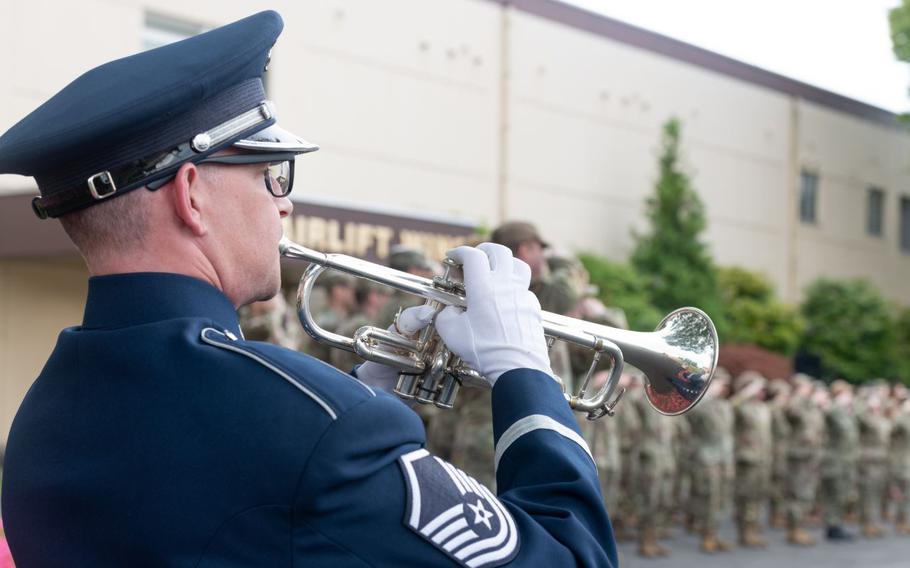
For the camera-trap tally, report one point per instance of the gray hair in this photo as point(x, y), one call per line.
point(117, 224)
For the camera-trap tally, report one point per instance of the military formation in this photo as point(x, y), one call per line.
point(788, 453)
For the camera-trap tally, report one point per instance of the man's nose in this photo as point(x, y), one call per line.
point(285, 206)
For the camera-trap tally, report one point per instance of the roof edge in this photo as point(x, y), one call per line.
point(607, 27)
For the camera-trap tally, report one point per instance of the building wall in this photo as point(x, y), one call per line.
point(482, 112)
point(37, 300)
point(849, 155)
point(585, 123)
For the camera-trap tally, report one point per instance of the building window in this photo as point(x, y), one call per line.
point(905, 224)
point(875, 205)
point(808, 196)
point(161, 30)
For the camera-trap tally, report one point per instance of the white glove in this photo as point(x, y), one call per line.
point(501, 328)
point(409, 322)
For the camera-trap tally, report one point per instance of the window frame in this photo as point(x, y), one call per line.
point(808, 197)
point(875, 200)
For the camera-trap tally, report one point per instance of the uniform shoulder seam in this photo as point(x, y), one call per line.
point(262, 360)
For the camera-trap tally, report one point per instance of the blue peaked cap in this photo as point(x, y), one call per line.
point(135, 120)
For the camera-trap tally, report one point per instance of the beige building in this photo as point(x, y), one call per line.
point(439, 116)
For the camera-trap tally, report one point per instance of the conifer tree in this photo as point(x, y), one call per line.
point(676, 264)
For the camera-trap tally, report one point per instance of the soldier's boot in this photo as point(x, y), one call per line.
point(799, 537)
point(837, 533)
point(689, 524)
point(648, 547)
point(627, 529)
point(710, 543)
point(754, 536)
point(750, 536)
point(871, 530)
point(901, 526)
point(778, 520)
point(723, 545)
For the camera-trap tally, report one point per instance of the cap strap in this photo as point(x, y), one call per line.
point(107, 183)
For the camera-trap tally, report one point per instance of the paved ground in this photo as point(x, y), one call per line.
point(889, 552)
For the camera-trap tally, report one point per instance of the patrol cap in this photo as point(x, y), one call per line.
point(513, 233)
point(749, 382)
point(135, 120)
point(403, 257)
point(333, 278)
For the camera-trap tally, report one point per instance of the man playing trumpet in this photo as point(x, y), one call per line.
point(156, 435)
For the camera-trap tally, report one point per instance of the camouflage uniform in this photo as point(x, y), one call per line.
point(838, 465)
point(653, 490)
point(467, 435)
point(900, 466)
point(780, 434)
point(874, 432)
point(803, 456)
point(371, 299)
point(708, 444)
point(272, 321)
point(603, 435)
point(728, 468)
point(328, 316)
point(682, 457)
point(603, 438)
point(629, 424)
point(752, 430)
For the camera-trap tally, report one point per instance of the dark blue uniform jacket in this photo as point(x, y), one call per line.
point(157, 436)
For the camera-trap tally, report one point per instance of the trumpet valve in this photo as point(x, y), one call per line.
point(407, 386)
point(448, 390)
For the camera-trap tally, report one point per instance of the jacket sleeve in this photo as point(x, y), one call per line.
point(371, 495)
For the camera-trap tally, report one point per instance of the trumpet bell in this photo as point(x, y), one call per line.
point(682, 366)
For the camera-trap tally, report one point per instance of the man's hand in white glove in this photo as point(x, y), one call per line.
point(409, 322)
point(501, 328)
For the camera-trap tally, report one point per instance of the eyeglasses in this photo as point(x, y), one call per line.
point(279, 176)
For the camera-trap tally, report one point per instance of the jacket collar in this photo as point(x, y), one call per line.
point(122, 300)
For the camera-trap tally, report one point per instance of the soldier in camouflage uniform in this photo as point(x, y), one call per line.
point(724, 411)
point(557, 290)
point(752, 431)
point(464, 435)
point(412, 261)
point(272, 321)
point(900, 465)
point(629, 424)
point(838, 459)
point(371, 299)
point(803, 454)
point(602, 435)
point(779, 396)
point(331, 307)
point(874, 433)
point(707, 464)
point(652, 491)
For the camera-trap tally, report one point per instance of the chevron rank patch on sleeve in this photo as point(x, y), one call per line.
point(456, 514)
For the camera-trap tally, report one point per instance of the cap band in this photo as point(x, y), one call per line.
point(106, 183)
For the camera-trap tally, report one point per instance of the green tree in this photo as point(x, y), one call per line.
point(621, 286)
point(755, 316)
point(899, 20)
point(675, 263)
point(851, 328)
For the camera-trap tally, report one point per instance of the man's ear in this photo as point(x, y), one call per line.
point(186, 198)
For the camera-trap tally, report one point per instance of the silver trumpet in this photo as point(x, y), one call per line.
point(677, 359)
